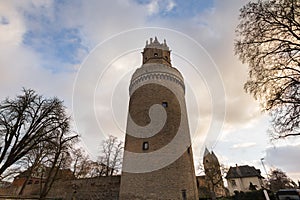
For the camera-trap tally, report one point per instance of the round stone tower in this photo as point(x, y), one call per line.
point(158, 158)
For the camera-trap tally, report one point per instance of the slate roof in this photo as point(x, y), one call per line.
point(243, 172)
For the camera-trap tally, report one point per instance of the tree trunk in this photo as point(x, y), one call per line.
point(24, 185)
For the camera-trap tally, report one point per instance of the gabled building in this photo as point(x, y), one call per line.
point(243, 178)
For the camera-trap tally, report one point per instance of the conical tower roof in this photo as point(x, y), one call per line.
point(206, 152)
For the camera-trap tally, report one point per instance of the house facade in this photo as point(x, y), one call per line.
point(243, 178)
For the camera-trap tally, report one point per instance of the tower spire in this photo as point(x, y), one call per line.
point(206, 152)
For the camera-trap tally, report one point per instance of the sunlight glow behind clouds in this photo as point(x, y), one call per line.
point(244, 145)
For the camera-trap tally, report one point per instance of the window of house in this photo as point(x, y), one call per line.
point(165, 104)
point(145, 145)
point(233, 183)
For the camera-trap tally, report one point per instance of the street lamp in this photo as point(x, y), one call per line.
point(264, 166)
point(264, 190)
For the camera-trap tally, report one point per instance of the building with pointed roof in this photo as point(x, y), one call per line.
point(213, 175)
point(243, 178)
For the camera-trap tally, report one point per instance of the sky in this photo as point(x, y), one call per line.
point(85, 51)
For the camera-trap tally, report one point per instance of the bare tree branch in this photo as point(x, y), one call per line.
point(111, 155)
point(268, 39)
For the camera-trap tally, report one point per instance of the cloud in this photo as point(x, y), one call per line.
point(158, 7)
point(21, 65)
point(153, 7)
point(170, 6)
point(12, 26)
point(284, 157)
point(244, 145)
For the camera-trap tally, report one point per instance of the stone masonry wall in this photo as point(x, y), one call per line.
point(100, 188)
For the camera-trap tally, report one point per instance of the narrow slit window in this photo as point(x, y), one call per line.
point(183, 192)
point(165, 104)
point(145, 145)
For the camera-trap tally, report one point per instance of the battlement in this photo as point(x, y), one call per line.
point(155, 44)
point(155, 52)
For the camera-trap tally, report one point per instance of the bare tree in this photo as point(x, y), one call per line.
point(25, 122)
point(34, 159)
point(13, 171)
point(82, 165)
point(214, 174)
point(110, 159)
point(268, 39)
point(61, 146)
point(279, 180)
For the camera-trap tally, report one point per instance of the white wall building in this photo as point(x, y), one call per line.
point(243, 178)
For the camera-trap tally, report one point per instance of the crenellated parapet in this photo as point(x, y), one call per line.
point(157, 45)
point(155, 52)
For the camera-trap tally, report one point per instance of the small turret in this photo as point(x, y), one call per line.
point(155, 52)
point(210, 159)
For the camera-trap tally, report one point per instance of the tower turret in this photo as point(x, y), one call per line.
point(155, 52)
point(213, 175)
